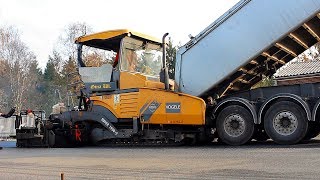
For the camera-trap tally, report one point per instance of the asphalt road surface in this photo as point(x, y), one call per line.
point(254, 161)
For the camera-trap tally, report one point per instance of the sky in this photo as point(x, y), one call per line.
point(40, 22)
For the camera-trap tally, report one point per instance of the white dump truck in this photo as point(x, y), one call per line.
point(251, 41)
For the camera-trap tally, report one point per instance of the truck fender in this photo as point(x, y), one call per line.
point(293, 97)
point(314, 111)
point(241, 101)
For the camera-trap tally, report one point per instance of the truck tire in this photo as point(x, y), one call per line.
point(235, 125)
point(285, 123)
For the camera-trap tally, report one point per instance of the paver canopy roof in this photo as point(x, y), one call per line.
point(110, 40)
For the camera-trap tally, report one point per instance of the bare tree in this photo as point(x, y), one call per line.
point(66, 42)
point(16, 60)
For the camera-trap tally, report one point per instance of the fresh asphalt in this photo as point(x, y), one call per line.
point(216, 161)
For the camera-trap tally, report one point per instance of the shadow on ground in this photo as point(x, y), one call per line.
point(314, 143)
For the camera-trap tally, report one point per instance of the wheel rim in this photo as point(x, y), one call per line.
point(234, 125)
point(285, 123)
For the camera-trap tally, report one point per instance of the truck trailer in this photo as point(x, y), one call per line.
point(132, 102)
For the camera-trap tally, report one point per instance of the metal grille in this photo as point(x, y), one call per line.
point(128, 104)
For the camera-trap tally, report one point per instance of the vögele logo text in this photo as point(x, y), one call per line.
point(173, 106)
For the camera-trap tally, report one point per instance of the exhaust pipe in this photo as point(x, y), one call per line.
point(80, 61)
point(164, 76)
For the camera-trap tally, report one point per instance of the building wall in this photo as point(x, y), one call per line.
point(298, 80)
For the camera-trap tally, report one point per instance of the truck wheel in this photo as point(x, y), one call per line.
point(235, 125)
point(286, 123)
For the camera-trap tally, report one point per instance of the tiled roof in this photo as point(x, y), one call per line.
point(299, 69)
